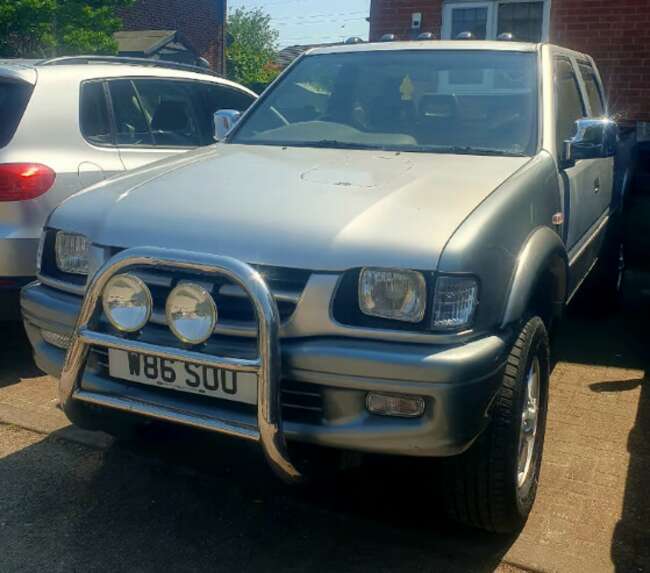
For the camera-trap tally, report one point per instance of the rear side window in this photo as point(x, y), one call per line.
point(94, 118)
point(570, 106)
point(596, 100)
point(130, 121)
point(170, 109)
point(152, 112)
point(13, 101)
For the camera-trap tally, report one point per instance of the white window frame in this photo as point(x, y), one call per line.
point(493, 14)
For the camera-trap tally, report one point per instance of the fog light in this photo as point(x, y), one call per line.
point(191, 313)
point(397, 405)
point(127, 302)
point(55, 339)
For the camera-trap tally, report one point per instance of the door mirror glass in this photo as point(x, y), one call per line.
point(224, 121)
point(594, 139)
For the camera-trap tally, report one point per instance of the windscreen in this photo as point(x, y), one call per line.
point(13, 100)
point(460, 101)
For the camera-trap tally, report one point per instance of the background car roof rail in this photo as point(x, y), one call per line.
point(71, 60)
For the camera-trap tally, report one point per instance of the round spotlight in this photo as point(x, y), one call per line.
point(127, 302)
point(191, 313)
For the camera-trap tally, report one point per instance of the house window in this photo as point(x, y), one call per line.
point(472, 20)
point(526, 20)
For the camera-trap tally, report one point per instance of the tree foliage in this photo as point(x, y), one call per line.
point(43, 28)
point(252, 44)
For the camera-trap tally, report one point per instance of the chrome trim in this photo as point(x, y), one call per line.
point(61, 285)
point(169, 415)
point(266, 365)
point(588, 238)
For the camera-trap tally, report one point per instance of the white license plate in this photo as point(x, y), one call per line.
point(183, 376)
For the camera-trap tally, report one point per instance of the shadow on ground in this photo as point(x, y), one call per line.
point(15, 355)
point(187, 501)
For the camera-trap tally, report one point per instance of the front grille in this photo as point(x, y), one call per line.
point(236, 312)
point(301, 402)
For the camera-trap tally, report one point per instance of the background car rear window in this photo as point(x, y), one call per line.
point(13, 101)
point(170, 113)
point(95, 122)
point(130, 122)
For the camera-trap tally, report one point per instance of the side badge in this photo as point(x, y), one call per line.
point(558, 219)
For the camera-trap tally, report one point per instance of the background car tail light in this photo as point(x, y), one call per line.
point(23, 181)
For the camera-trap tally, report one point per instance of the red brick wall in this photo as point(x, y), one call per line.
point(615, 32)
point(617, 35)
point(394, 17)
point(200, 21)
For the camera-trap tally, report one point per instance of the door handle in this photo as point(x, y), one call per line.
point(597, 185)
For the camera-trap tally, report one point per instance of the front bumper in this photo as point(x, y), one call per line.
point(457, 382)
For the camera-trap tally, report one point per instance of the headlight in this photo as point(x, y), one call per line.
point(191, 313)
point(127, 303)
point(397, 295)
point(72, 253)
point(454, 302)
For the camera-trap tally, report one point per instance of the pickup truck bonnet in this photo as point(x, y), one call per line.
point(321, 209)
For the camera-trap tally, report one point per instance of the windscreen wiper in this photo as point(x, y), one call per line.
point(336, 144)
point(469, 150)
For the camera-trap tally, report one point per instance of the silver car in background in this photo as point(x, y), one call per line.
point(68, 123)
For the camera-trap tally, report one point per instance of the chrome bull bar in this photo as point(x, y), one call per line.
point(267, 364)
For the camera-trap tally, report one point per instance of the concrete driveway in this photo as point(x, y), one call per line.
point(179, 500)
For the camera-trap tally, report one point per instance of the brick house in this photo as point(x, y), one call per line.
point(201, 23)
point(615, 32)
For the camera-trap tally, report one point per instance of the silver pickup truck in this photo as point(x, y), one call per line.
point(370, 260)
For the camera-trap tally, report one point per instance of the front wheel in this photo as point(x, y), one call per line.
point(493, 485)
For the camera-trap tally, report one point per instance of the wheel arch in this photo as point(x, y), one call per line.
point(540, 278)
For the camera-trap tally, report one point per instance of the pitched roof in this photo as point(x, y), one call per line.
point(145, 42)
point(287, 55)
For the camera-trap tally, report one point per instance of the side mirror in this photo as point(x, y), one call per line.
point(594, 139)
point(224, 121)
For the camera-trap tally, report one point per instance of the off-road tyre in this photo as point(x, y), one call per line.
point(481, 484)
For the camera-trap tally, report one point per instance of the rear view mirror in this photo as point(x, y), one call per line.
point(594, 139)
point(224, 121)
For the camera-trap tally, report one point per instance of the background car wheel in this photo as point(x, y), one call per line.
point(493, 485)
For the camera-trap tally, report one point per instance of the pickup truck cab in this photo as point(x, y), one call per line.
point(370, 260)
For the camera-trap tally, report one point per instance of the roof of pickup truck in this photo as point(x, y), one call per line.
point(429, 45)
